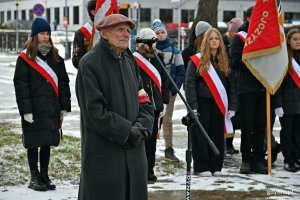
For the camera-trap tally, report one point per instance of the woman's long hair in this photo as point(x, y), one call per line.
point(206, 54)
point(289, 49)
point(32, 49)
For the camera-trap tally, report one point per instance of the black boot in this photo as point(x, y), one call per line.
point(35, 182)
point(46, 180)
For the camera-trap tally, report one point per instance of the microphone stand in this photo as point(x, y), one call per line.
point(194, 119)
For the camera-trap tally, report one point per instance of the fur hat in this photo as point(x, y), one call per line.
point(40, 25)
point(234, 25)
point(113, 20)
point(201, 27)
point(147, 33)
point(157, 25)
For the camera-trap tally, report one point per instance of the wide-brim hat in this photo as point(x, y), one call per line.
point(113, 20)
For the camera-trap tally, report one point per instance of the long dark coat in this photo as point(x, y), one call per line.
point(34, 94)
point(107, 90)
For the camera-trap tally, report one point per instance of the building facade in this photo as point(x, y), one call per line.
point(143, 11)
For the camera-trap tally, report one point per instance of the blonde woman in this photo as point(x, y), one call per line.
point(211, 92)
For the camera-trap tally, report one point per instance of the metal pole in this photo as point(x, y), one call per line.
point(179, 25)
point(17, 26)
point(67, 43)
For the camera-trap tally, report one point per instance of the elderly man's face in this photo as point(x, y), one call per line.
point(117, 36)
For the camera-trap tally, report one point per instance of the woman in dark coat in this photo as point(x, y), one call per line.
point(210, 64)
point(287, 105)
point(156, 84)
point(43, 97)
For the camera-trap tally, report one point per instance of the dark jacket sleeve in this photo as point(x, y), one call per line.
point(22, 88)
point(64, 88)
point(236, 50)
point(164, 84)
point(180, 72)
point(232, 93)
point(78, 48)
point(191, 85)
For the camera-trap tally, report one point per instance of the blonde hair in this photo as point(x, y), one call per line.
point(206, 54)
point(289, 49)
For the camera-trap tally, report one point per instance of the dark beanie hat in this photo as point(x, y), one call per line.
point(39, 25)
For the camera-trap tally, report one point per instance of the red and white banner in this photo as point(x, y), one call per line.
point(87, 30)
point(218, 91)
point(149, 69)
point(43, 68)
point(295, 74)
point(265, 52)
point(242, 35)
point(104, 8)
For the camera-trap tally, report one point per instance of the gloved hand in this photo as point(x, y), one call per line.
point(162, 113)
point(188, 119)
point(231, 113)
point(62, 114)
point(138, 133)
point(28, 117)
point(279, 112)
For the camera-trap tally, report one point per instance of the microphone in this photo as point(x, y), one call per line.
point(146, 41)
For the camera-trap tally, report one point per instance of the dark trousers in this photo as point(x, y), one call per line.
point(253, 125)
point(150, 145)
point(32, 156)
point(212, 121)
point(290, 137)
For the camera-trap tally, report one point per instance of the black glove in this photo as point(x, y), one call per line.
point(188, 120)
point(138, 133)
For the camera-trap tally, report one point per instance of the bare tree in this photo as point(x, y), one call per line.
point(207, 11)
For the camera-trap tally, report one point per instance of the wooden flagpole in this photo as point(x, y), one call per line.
point(268, 106)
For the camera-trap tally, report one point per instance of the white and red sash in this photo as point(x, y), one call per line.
point(87, 30)
point(218, 91)
point(149, 69)
point(242, 35)
point(43, 68)
point(296, 73)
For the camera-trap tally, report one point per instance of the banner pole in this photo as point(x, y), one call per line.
point(268, 132)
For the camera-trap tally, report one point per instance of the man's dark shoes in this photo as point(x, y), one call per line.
point(245, 168)
point(169, 154)
point(259, 167)
point(152, 178)
point(231, 150)
point(290, 167)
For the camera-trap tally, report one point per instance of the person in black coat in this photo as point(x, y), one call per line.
point(287, 105)
point(204, 101)
point(43, 97)
point(252, 105)
point(156, 84)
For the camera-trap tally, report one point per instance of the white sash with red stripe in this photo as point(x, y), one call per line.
point(242, 35)
point(43, 68)
point(87, 30)
point(296, 73)
point(150, 70)
point(218, 91)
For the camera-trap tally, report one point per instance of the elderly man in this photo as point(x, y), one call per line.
point(117, 117)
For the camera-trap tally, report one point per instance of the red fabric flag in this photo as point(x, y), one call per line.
point(265, 52)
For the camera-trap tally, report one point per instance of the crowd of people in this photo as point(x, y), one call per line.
point(125, 97)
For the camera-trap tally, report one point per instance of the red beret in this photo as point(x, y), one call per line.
point(113, 20)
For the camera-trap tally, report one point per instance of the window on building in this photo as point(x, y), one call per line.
point(48, 14)
point(289, 16)
point(56, 16)
point(1, 16)
point(8, 15)
point(166, 15)
point(23, 14)
point(124, 11)
point(145, 14)
point(187, 16)
point(228, 15)
point(76, 15)
point(30, 14)
point(15, 15)
point(66, 12)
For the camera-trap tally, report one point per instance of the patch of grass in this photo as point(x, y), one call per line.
point(165, 166)
point(64, 161)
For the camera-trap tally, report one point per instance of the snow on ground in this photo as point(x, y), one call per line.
point(280, 182)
